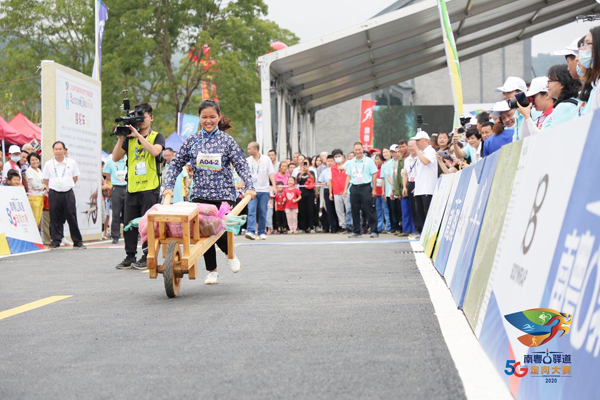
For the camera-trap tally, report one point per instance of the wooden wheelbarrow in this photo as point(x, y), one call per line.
point(176, 264)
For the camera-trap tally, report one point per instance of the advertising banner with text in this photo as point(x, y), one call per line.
point(366, 123)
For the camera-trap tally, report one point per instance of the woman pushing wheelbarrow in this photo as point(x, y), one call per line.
point(211, 152)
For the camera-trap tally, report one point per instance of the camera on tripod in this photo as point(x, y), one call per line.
point(132, 117)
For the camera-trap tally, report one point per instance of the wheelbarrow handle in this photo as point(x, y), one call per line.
point(240, 206)
point(167, 199)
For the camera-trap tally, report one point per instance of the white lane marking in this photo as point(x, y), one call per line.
point(480, 378)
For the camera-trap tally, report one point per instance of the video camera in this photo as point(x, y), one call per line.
point(132, 118)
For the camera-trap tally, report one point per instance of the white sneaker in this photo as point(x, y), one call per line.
point(263, 237)
point(234, 264)
point(250, 236)
point(212, 278)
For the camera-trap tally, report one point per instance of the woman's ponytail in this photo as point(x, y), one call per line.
point(225, 123)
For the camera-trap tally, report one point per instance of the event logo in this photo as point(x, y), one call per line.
point(11, 220)
point(540, 324)
point(550, 365)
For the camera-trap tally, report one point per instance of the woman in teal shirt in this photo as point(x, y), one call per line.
point(564, 90)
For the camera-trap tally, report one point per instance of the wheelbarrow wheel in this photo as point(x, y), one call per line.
point(173, 259)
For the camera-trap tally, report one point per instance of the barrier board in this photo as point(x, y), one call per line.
point(436, 213)
point(465, 259)
point(17, 223)
point(493, 220)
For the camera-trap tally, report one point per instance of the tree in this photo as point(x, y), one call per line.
point(145, 50)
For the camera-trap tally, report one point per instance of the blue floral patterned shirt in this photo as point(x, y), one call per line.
point(212, 155)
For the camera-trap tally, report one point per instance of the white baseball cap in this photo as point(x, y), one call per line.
point(539, 84)
point(14, 149)
point(421, 135)
point(570, 50)
point(498, 108)
point(512, 83)
point(393, 147)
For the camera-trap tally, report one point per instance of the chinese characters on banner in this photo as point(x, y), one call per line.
point(366, 123)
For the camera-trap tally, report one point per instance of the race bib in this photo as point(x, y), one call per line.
point(120, 175)
point(140, 168)
point(211, 162)
point(379, 182)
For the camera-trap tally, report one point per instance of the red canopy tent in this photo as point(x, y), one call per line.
point(10, 134)
point(26, 128)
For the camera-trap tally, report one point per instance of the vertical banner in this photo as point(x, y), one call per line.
point(366, 123)
point(446, 218)
point(259, 123)
point(78, 123)
point(452, 60)
point(101, 15)
point(187, 125)
point(17, 224)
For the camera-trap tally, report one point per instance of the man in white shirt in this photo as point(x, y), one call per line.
point(426, 177)
point(60, 176)
point(263, 173)
point(409, 172)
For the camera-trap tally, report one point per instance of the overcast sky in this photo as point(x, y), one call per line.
point(310, 19)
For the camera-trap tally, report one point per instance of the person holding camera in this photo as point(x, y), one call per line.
point(503, 129)
point(143, 147)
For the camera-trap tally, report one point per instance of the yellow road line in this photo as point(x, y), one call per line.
point(31, 306)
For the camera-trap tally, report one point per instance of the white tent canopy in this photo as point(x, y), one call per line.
point(390, 49)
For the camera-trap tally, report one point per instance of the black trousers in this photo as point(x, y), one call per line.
point(210, 256)
point(63, 208)
point(334, 225)
point(394, 209)
point(361, 197)
point(281, 220)
point(422, 203)
point(306, 210)
point(117, 206)
point(136, 205)
point(413, 208)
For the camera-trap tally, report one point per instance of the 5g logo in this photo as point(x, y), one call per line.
point(512, 368)
point(538, 201)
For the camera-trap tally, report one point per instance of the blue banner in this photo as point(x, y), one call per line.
point(187, 125)
point(455, 206)
point(469, 245)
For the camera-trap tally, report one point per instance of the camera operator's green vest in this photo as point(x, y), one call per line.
point(137, 181)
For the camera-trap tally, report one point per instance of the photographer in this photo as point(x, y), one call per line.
point(143, 147)
point(473, 151)
point(538, 92)
point(503, 129)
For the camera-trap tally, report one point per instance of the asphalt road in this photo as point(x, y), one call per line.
point(303, 319)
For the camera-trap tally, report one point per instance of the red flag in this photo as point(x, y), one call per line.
point(366, 123)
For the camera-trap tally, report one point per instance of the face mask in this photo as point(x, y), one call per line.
point(338, 159)
point(15, 158)
point(585, 58)
point(579, 71)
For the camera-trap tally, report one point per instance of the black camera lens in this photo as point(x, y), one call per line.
point(519, 98)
